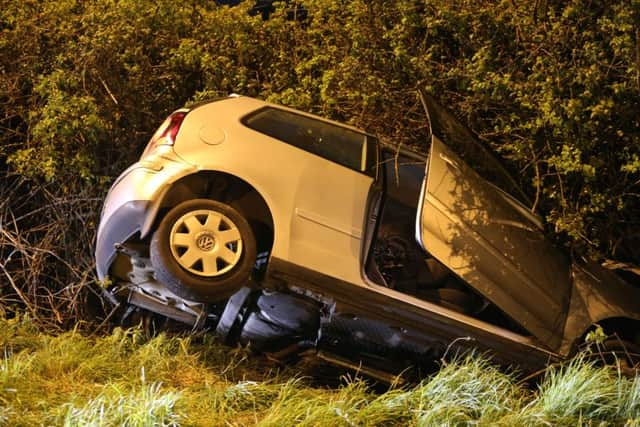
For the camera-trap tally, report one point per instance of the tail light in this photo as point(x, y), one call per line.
point(166, 133)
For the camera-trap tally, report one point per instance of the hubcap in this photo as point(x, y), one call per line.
point(205, 243)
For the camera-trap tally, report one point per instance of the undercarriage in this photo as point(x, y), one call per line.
point(289, 324)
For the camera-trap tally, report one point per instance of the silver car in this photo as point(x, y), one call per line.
point(292, 232)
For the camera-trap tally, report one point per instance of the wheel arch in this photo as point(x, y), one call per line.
point(624, 328)
point(220, 186)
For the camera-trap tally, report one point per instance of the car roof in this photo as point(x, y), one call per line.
point(250, 105)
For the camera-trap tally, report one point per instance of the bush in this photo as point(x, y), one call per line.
point(553, 86)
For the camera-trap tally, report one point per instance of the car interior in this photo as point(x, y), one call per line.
point(395, 259)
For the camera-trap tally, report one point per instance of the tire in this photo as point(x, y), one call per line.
point(203, 250)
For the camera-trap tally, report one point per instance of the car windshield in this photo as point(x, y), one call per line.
point(462, 141)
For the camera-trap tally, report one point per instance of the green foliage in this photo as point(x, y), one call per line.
point(596, 336)
point(66, 129)
point(128, 379)
point(554, 87)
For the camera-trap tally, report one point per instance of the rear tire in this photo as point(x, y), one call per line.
point(203, 250)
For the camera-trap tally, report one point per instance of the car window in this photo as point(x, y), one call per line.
point(404, 173)
point(340, 145)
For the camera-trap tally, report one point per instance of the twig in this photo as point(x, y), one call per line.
point(24, 299)
point(113, 98)
point(444, 356)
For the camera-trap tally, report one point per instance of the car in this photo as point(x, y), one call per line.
point(295, 234)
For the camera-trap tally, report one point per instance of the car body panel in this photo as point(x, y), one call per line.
point(469, 226)
point(326, 228)
point(318, 207)
point(132, 202)
point(118, 227)
point(144, 180)
point(496, 245)
point(432, 328)
point(597, 294)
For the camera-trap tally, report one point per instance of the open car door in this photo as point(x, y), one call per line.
point(485, 235)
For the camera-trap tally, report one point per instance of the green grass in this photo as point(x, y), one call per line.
point(126, 379)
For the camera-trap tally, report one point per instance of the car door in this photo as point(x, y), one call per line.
point(330, 170)
point(485, 235)
point(328, 219)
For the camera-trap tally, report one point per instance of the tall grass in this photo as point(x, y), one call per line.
point(127, 379)
point(144, 406)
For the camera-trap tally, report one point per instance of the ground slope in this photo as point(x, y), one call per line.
point(125, 378)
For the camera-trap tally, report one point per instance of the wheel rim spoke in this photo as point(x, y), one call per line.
point(227, 255)
point(229, 236)
point(190, 257)
point(209, 264)
point(182, 239)
point(213, 221)
point(193, 224)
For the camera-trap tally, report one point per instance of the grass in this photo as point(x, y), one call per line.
point(127, 379)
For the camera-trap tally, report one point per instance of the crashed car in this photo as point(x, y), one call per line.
point(293, 233)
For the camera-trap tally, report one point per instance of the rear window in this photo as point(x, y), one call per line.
point(344, 146)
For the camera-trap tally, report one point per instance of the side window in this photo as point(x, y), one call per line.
point(461, 140)
point(404, 174)
point(337, 144)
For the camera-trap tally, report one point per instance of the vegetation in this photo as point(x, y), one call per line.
point(128, 379)
point(553, 86)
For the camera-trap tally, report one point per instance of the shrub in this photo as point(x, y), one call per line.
point(552, 86)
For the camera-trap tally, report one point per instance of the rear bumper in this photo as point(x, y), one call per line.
point(133, 201)
point(123, 223)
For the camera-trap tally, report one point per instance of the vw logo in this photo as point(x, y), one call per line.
point(205, 242)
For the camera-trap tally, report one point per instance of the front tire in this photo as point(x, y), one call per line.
point(203, 250)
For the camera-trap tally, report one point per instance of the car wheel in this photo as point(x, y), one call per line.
point(203, 250)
